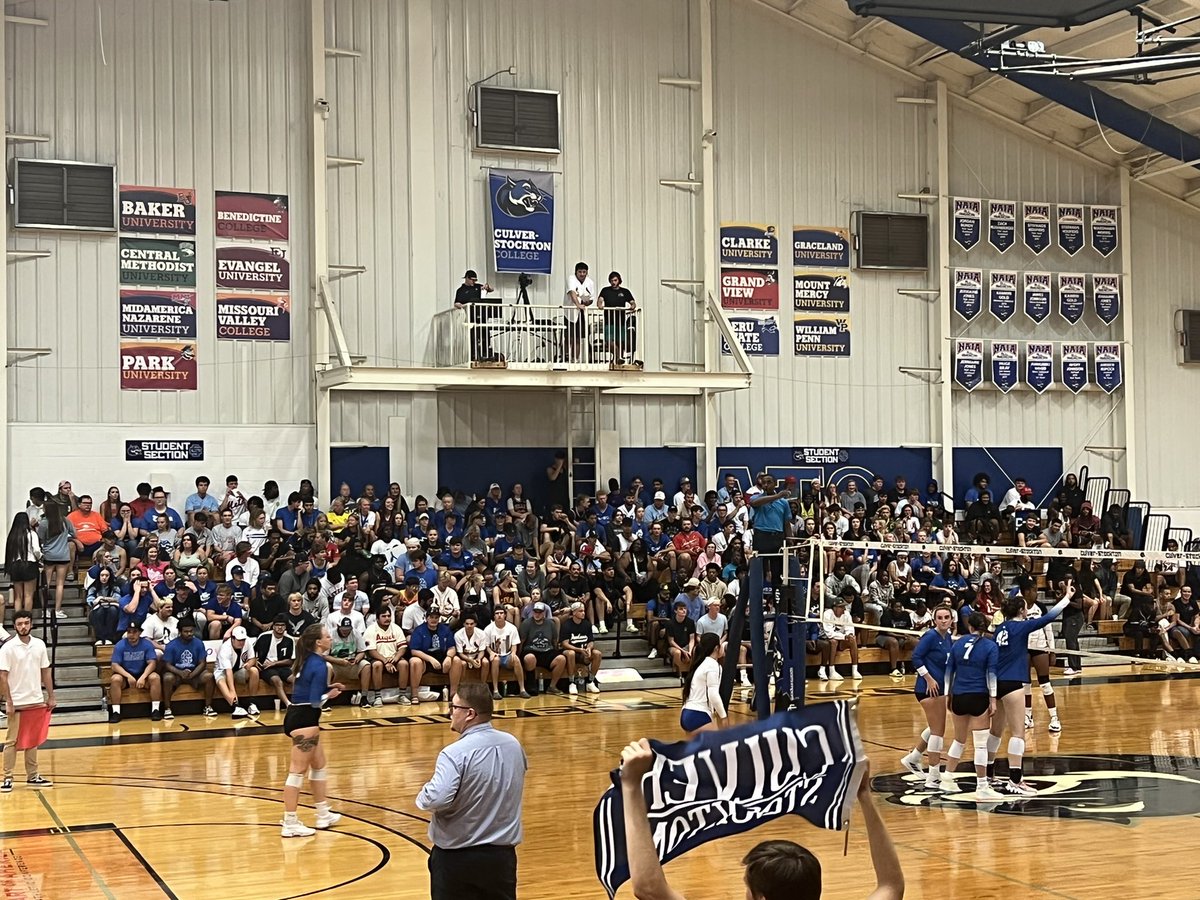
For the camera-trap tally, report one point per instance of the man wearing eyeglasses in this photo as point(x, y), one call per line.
point(475, 798)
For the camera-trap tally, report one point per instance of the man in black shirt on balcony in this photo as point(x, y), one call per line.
point(619, 332)
point(469, 296)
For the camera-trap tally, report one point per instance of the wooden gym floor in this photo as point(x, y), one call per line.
point(190, 808)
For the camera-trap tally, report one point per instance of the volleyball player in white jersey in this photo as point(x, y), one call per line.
point(1041, 645)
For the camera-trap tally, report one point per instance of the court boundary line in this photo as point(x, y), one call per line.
point(137, 854)
point(74, 844)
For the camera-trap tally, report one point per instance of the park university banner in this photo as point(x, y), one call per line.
point(521, 210)
point(804, 762)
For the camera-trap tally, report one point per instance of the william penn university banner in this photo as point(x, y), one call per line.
point(804, 762)
point(521, 208)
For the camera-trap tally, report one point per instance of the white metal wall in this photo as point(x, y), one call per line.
point(185, 93)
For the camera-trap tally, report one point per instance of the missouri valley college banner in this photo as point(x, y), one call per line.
point(1070, 228)
point(521, 210)
point(968, 213)
point(749, 244)
point(1002, 224)
point(968, 292)
point(158, 314)
point(758, 335)
point(158, 366)
point(253, 267)
point(749, 289)
point(1006, 368)
point(1036, 219)
point(252, 217)
point(968, 363)
point(157, 210)
point(804, 762)
point(1072, 296)
point(254, 317)
point(158, 262)
point(820, 247)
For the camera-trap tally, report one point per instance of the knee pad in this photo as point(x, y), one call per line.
point(993, 743)
point(1016, 747)
point(294, 779)
point(316, 775)
point(925, 735)
point(956, 750)
point(981, 739)
point(1047, 689)
point(935, 743)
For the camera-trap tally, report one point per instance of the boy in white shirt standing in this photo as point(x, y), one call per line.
point(503, 641)
point(581, 294)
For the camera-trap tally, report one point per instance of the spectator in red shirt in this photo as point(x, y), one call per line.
point(689, 544)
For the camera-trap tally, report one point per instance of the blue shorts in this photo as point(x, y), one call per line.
point(692, 719)
point(504, 658)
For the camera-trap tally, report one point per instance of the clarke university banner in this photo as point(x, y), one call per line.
point(521, 206)
point(803, 762)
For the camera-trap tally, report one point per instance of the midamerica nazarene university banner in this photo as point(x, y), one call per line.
point(521, 216)
point(804, 762)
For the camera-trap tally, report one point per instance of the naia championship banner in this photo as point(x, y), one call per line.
point(1070, 227)
point(1006, 367)
point(968, 292)
point(254, 317)
point(813, 245)
point(1036, 219)
point(252, 217)
point(968, 363)
point(803, 762)
point(1072, 296)
point(1039, 366)
point(521, 213)
point(749, 289)
point(1106, 295)
point(749, 244)
point(1102, 223)
point(1002, 294)
point(158, 367)
point(1002, 224)
point(1074, 366)
point(157, 210)
point(758, 335)
point(157, 315)
point(968, 213)
point(1108, 366)
point(1037, 295)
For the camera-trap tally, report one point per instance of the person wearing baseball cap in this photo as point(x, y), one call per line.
point(469, 296)
point(431, 647)
point(236, 664)
point(540, 649)
point(348, 653)
point(134, 665)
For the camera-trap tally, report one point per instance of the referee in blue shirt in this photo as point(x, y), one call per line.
point(772, 523)
point(475, 797)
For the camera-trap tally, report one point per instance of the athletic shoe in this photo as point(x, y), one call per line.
point(593, 688)
point(114, 718)
point(239, 713)
point(896, 673)
point(98, 643)
point(426, 695)
point(1028, 720)
point(988, 795)
point(835, 675)
point(743, 678)
point(1070, 672)
point(403, 700)
point(252, 709)
point(1192, 660)
point(933, 784)
point(365, 703)
point(854, 673)
point(602, 628)
point(1055, 725)
point(630, 627)
point(71, 577)
point(168, 714)
point(822, 674)
point(296, 829)
point(653, 654)
point(209, 712)
point(58, 613)
point(327, 820)
point(108, 643)
point(37, 781)
point(377, 702)
point(573, 689)
point(553, 689)
point(356, 698)
point(156, 715)
point(913, 765)
point(1021, 789)
point(948, 784)
point(6, 786)
point(524, 695)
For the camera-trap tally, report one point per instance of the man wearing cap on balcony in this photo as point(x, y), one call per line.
point(469, 296)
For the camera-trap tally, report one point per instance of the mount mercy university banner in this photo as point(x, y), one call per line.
point(804, 762)
point(521, 210)
point(252, 217)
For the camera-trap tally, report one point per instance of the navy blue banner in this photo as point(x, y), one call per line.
point(813, 245)
point(968, 213)
point(758, 335)
point(1036, 217)
point(1070, 228)
point(1106, 295)
point(1074, 362)
point(1006, 368)
point(749, 244)
point(522, 213)
point(804, 762)
point(968, 363)
point(821, 292)
point(968, 292)
point(1002, 224)
point(1002, 294)
point(1072, 296)
point(1037, 295)
point(1108, 366)
point(1039, 366)
point(1103, 222)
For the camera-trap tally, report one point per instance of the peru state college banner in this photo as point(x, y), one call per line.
point(157, 210)
point(257, 267)
point(758, 335)
point(157, 315)
point(158, 366)
point(749, 244)
point(521, 214)
point(254, 317)
point(968, 363)
point(820, 247)
point(749, 289)
point(252, 217)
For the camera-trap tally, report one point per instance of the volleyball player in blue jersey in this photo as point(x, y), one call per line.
point(1012, 671)
point(971, 689)
point(929, 658)
point(303, 725)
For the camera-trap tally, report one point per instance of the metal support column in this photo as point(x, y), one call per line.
point(1128, 395)
point(707, 474)
point(319, 251)
point(946, 420)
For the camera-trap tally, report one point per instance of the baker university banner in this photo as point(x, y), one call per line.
point(521, 205)
point(801, 762)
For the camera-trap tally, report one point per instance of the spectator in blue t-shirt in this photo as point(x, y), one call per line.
point(185, 661)
point(148, 522)
point(133, 666)
point(223, 613)
point(201, 501)
point(136, 597)
point(431, 646)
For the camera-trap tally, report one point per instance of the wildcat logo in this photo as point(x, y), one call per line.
point(521, 198)
point(1116, 788)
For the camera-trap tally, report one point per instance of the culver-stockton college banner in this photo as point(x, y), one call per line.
point(749, 244)
point(158, 366)
point(254, 317)
point(158, 315)
point(968, 363)
point(158, 262)
point(258, 267)
point(749, 289)
point(758, 335)
point(252, 217)
point(820, 247)
point(521, 212)
point(157, 210)
point(968, 213)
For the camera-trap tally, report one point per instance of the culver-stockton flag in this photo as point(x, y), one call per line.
point(804, 762)
point(521, 208)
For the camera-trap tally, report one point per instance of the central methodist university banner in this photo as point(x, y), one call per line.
point(158, 262)
point(521, 213)
point(803, 762)
point(749, 244)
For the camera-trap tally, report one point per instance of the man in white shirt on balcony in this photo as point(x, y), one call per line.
point(581, 295)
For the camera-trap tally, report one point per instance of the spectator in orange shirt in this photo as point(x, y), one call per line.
point(689, 544)
point(89, 528)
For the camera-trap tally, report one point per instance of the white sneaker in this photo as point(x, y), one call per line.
point(426, 695)
point(854, 673)
point(602, 628)
point(252, 709)
point(1028, 720)
point(822, 673)
point(913, 765)
point(239, 713)
point(99, 643)
point(593, 688)
point(209, 712)
point(1070, 672)
point(1055, 725)
point(630, 627)
point(356, 698)
point(653, 654)
point(743, 678)
point(327, 820)
point(573, 689)
point(948, 784)
point(296, 829)
point(403, 700)
point(1192, 660)
point(896, 673)
point(933, 784)
point(1021, 789)
point(835, 675)
point(59, 614)
point(377, 702)
point(988, 795)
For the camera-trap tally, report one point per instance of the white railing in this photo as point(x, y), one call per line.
point(534, 336)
